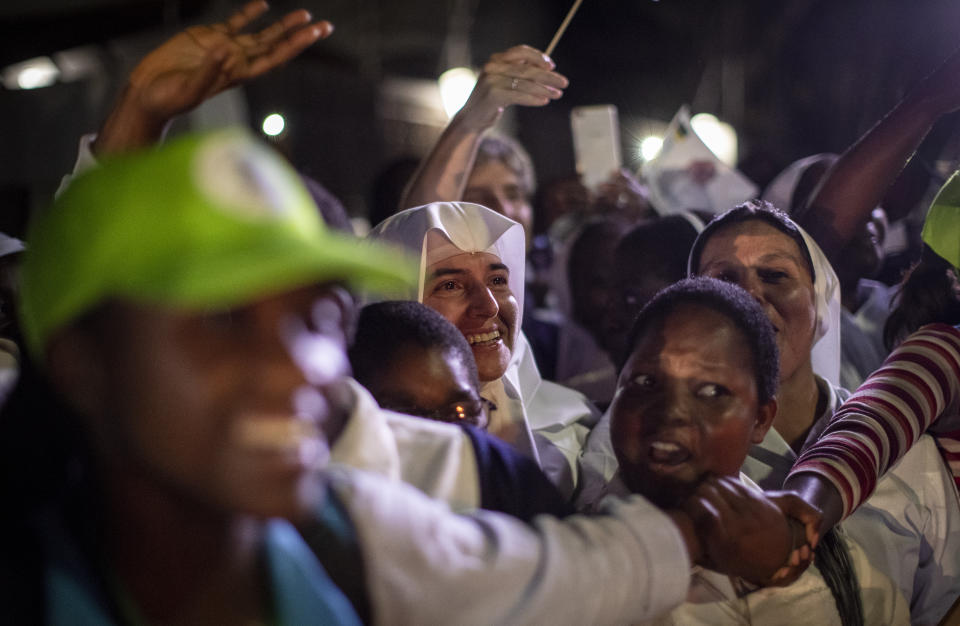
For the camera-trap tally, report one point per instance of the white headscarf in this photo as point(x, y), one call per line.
point(825, 353)
point(466, 227)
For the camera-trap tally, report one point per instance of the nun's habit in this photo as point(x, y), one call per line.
point(550, 422)
point(769, 461)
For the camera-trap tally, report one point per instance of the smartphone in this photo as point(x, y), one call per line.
point(596, 142)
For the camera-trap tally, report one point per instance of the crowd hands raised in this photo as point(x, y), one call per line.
point(199, 63)
point(196, 404)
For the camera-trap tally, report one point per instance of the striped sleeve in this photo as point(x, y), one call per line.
point(885, 416)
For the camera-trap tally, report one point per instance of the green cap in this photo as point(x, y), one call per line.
point(205, 221)
point(941, 229)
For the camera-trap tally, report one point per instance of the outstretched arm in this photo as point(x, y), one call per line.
point(872, 430)
point(860, 178)
point(197, 64)
point(489, 568)
point(521, 75)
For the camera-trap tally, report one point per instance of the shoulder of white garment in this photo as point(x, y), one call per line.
point(555, 406)
point(560, 420)
point(426, 565)
point(438, 459)
point(598, 466)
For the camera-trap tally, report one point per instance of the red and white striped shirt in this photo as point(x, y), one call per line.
point(917, 385)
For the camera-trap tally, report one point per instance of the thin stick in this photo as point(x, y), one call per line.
point(563, 27)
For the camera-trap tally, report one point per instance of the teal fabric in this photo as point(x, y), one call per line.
point(302, 592)
point(70, 601)
point(334, 541)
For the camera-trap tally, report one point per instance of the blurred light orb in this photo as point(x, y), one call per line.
point(719, 136)
point(273, 124)
point(456, 84)
point(650, 147)
point(31, 74)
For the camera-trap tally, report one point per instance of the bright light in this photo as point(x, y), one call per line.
point(650, 147)
point(719, 136)
point(455, 87)
point(32, 74)
point(273, 124)
point(34, 77)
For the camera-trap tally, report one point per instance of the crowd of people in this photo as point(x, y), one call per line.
point(505, 405)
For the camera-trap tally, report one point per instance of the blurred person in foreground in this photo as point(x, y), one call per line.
point(179, 75)
point(187, 324)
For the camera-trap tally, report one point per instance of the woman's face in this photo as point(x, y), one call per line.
point(771, 267)
point(472, 291)
point(686, 405)
point(494, 185)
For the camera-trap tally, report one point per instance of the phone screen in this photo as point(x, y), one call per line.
point(596, 142)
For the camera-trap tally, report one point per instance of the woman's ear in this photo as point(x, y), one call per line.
point(765, 415)
point(76, 369)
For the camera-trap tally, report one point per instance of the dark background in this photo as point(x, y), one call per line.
point(794, 77)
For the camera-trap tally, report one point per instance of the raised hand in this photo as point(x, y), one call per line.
point(856, 184)
point(521, 75)
point(199, 63)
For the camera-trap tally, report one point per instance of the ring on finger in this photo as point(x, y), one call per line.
point(514, 83)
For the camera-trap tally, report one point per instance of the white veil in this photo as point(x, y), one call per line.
point(825, 353)
point(474, 228)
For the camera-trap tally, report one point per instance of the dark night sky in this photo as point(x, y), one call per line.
point(814, 73)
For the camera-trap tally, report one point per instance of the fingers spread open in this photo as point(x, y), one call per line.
point(289, 23)
point(285, 49)
point(250, 11)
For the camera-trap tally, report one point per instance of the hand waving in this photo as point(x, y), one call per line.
point(204, 60)
point(521, 75)
point(197, 64)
